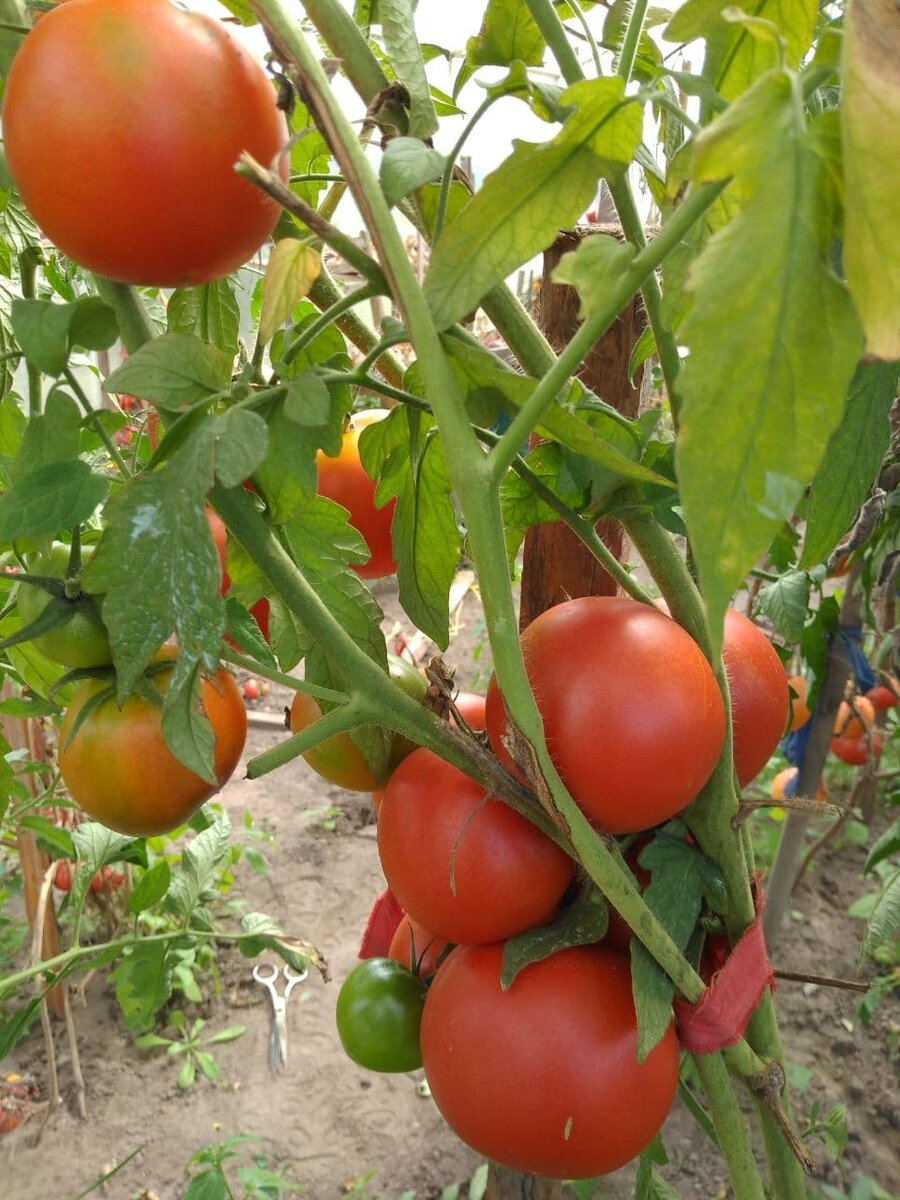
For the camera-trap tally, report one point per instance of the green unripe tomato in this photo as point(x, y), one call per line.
point(82, 641)
point(379, 1011)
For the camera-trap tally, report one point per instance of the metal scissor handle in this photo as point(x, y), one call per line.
point(268, 975)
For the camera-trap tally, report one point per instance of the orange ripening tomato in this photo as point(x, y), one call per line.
point(544, 1077)
point(632, 712)
point(853, 721)
point(344, 480)
point(759, 694)
point(118, 768)
point(799, 714)
point(783, 778)
point(122, 123)
point(416, 948)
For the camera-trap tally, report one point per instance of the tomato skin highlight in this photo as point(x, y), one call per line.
point(82, 641)
point(760, 697)
point(122, 122)
point(344, 480)
point(119, 770)
point(632, 713)
point(544, 1077)
point(462, 863)
point(378, 1014)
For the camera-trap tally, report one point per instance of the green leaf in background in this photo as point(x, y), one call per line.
point(786, 604)
point(174, 371)
point(852, 460)
point(885, 919)
point(308, 400)
point(870, 128)
point(96, 846)
point(261, 933)
point(209, 312)
point(143, 981)
point(520, 505)
point(508, 32)
point(735, 56)
point(199, 860)
point(6, 776)
point(402, 46)
point(150, 888)
point(242, 628)
point(292, 269)
point(408, 164)
point(411, 465)
point(50, 499)
point(50, 437)
point(535, 192)
point(772, 335)
point(885, 847)
point(158, 569)
point(187, 732)
point(47, 331)
point(242, 440)
point(211, 1184)
point(593, 269)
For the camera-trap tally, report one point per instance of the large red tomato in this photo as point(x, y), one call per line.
point(122, 121)
point(344, 480)
point(462, 863)
point(633, 717)
point(544, 1077)
point(118, 768)
point(760, 696)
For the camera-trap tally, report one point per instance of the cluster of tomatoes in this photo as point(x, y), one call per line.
point(543, 1075)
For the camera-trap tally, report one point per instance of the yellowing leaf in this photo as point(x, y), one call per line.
point(293, 268)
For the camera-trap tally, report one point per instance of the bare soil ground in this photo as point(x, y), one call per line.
point(327, 1124)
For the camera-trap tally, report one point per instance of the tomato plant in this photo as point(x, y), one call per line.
point(462, 863)
point(379, 1012)
point(416, 947)
point(118, 768)
point(633, 717)
point(338, 759)
point(544, 1076)
point(759, 695)
point(82, 640)
point(855, 751)
point(122, 123)
point(343, 478)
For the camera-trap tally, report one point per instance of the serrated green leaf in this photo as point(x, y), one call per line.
point(522, 507)
point(212, 1184)
point(158, 569)
point(174, 371)
point(508, 32)
point(786, 603)
point(242, 628)
point(96, 846)
point(292, 269)
point(187, 731)
point(885, 919)
point(143, 984)
point(49, 499)
point(593, 269)
point(405, 54)
point(581, 924)
point(242, 440)
point(772, 335)
point(199, 860)
point(534, 193)
point(150, 888)
point(209, 312)
point(46, 331)
point(17, 1025)
point(735, 57)
point(852, 460)
point(886, 846)
point(93, 324)
point(870, 129)
point(259, 932)
point(308, 400)
point(50, 437)
point(408, 164)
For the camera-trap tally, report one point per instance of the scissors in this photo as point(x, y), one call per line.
point(267, 974)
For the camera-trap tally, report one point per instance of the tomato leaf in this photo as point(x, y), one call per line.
point(211, 1184)
point(157, 567)
point(534, 193)
point(150, 888)
point(50, 437)
point(242, 628)
point(786, 604)
point(187, 731)
point(885, 919)
point(143, 982)
point(408, 164)
point(508, 32)
point(96, 846)
point(48, 499)
point(871, 145)
point(852, 460)
point(259, 932)
point(209, 312)
point(410, 462)
point(581, 924)
point(521, 505)
point(593, 269)
point(292, 269)
point(405, 53)
point(735, 57)
point(308, 400)
point(175, 371)
point(762, 295)
point(47, 331)
point(242, 440)
point(17, 1025)
point(199, 860)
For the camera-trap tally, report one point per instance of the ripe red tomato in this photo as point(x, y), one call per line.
point(544, 1077)
point(855, 750)
point(62, 876)
point(882, 696)
point(338, 759)
point(460, 862)
point(632, 713)
point(118, 768)
point(471, 707)
point(344, 480)
point(122, 121)
point(107, 881)
point(416, 947)
point(760, 698)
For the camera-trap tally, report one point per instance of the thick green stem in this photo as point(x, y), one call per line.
point(447, 176)
point(341, 720)
point(554, 34)
point(28, 265)
point(135, 327)
point(341, 34)
point(324, 293)
point(631, 39)
point(730, 1127)
point(343, 304)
